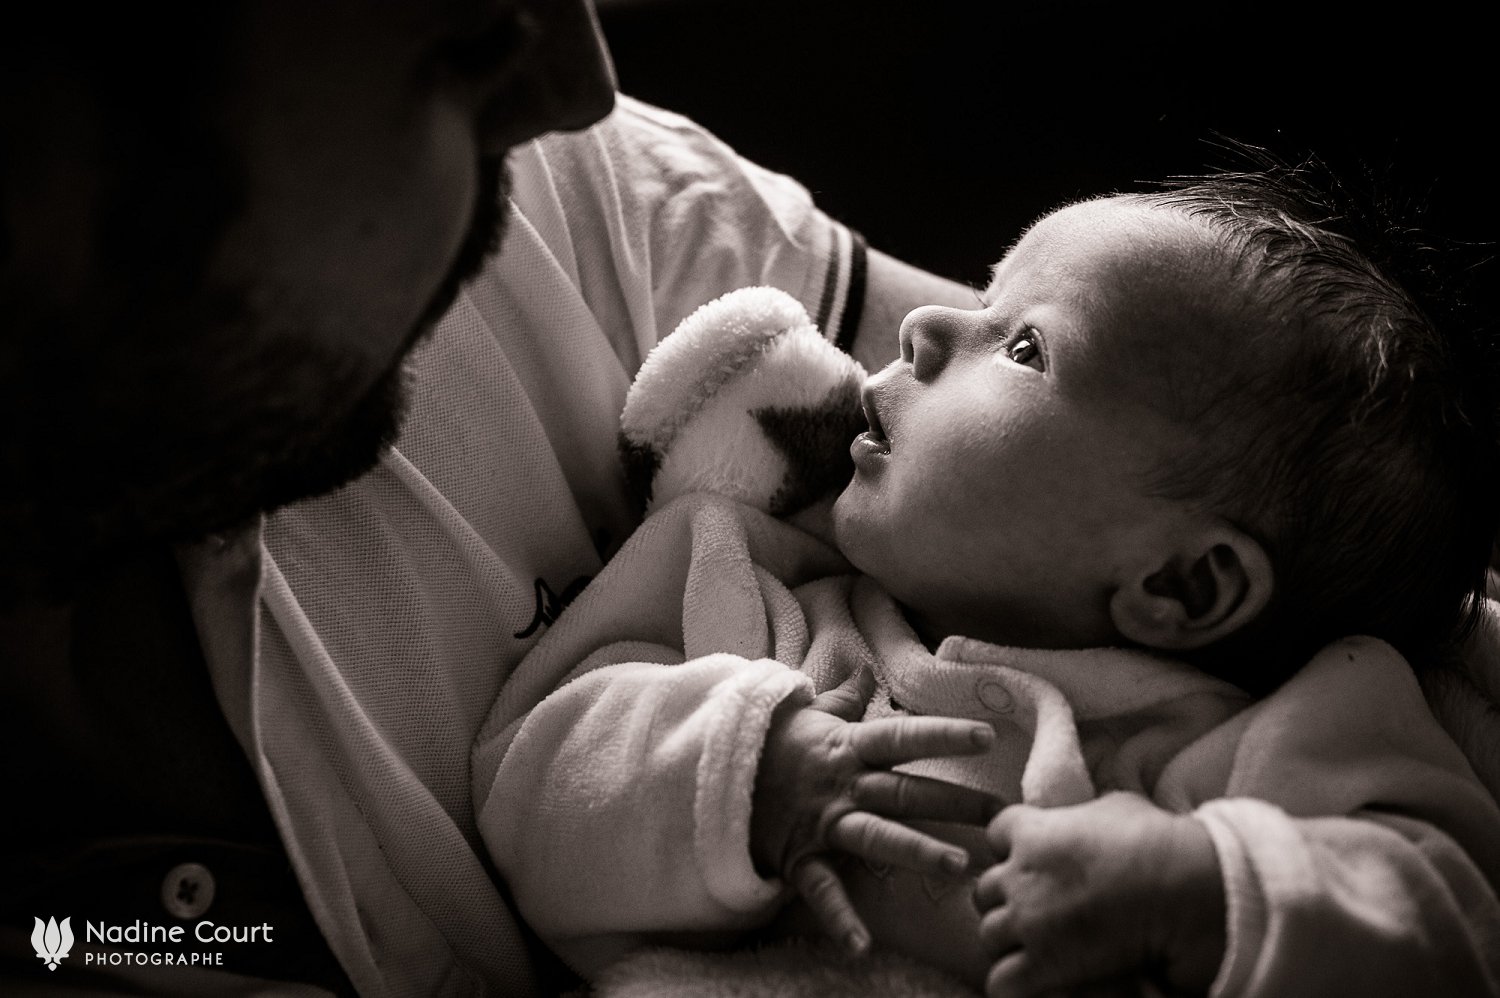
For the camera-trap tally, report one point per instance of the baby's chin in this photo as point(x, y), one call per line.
point(856, 532)
point(843, 510)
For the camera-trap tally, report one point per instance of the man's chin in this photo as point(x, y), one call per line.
point(112, 479)
point(317, 465)
point(279, 465)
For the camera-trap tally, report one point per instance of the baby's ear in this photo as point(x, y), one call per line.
point(1215, 580)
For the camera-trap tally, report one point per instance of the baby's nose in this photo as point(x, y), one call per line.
point(927, 337)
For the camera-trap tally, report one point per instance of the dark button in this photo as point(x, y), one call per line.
point(187, 890)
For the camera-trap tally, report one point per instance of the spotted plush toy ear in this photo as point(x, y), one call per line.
point(642, 461)
point(814, 443)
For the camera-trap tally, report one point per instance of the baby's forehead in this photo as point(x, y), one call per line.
point(1117, 258)
point(1113, 236)
point(1156, 293)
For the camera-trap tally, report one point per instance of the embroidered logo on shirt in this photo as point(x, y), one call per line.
point(549, 605)
point(52, 941)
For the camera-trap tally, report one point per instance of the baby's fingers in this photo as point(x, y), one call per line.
point(997, 933)
point(900, 795)
point(989, 889)
point(1017, 975)
point(824, 893)
point(891, 741)
point(880, 840)
point(847, 700)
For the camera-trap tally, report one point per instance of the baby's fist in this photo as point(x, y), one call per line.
point(1109, 890)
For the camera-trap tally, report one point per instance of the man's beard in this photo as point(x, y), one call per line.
point(171, 447)
point(325, 456)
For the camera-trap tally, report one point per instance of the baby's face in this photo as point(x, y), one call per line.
point(1005, 471)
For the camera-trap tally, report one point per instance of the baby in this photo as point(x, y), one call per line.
point(1189, 422)
point(1127, 512)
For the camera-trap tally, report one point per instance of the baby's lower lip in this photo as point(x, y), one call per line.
point(868, 446)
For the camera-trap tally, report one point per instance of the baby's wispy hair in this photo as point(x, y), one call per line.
point(1352, 429)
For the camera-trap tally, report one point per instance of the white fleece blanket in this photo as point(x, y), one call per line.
point(618, 809)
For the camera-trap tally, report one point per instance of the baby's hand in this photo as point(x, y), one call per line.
point(823, 784)
point(1115, 888)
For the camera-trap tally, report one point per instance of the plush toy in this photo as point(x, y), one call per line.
point(746, 399)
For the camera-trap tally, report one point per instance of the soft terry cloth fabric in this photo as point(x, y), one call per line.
point(796, 969)
point(1366, 824)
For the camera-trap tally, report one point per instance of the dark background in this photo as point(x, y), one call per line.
point(941, 128)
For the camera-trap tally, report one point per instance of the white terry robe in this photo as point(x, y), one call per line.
point(1359, 852)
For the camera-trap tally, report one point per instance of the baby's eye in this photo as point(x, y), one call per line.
point(1024, 349)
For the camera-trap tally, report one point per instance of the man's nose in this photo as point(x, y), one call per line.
point(928, 337)
point(567, 82)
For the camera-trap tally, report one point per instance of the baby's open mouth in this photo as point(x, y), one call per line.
point(873, 441)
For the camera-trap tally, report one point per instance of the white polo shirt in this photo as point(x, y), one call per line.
point(359, 641)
